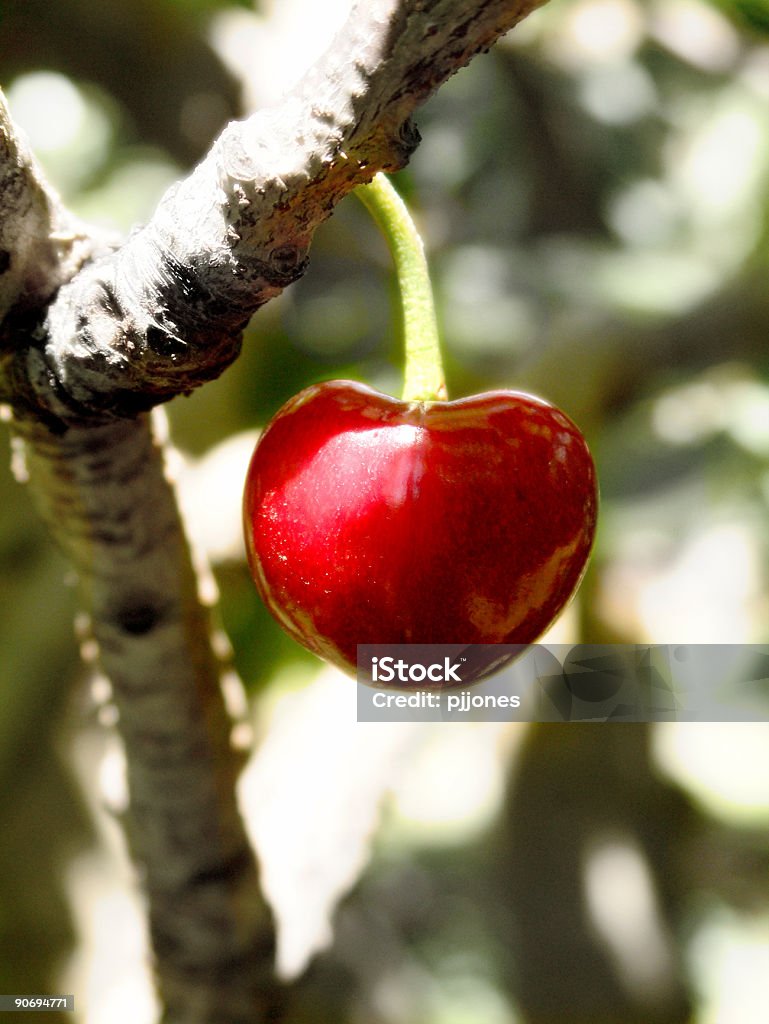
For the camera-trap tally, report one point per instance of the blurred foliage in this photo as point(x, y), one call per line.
point(748, 13)
point(594, 194)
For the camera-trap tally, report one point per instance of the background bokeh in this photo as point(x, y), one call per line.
point(594, 196)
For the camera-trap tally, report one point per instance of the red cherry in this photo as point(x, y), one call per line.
point(370, 520)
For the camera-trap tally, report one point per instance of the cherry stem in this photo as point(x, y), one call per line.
point(424, 380)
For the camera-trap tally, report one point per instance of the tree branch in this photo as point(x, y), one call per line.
point(41, 245)
point(90, 340)
point(109, 503)
point(166, 311)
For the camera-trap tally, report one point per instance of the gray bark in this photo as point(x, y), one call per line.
point(91, 339)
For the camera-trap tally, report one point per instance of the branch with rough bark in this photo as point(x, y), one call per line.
point(91, 338)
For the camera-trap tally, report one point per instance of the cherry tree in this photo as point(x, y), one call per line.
point(95, 334)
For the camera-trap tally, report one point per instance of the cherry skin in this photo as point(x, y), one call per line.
point(370, 520)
